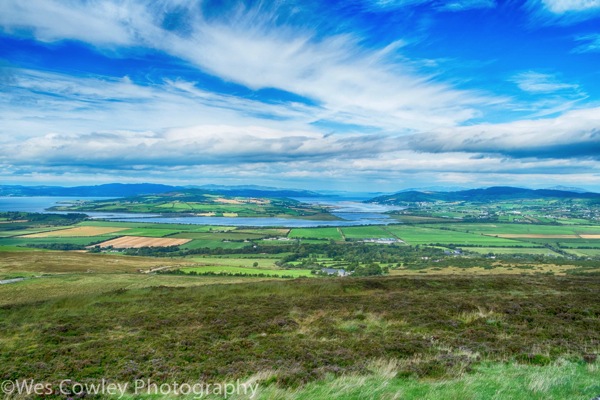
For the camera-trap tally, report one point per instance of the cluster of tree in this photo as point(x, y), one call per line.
point(45, 219)
point(371, 269)
point(152, 251)
point(57, 246)
point(212, 273)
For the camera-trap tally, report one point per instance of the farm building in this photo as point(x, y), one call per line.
point(333, 271)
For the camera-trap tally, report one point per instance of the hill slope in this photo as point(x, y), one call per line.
point(481, 195)
point(138, 189)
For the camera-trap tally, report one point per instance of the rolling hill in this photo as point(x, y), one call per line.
point(481, 195)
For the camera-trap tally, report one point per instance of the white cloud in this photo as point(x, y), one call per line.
point(575, 134)
point(36, 103)
point(197, 145)
point(563, 12)
point(546, 94)
point(162, 130)
point(352, 84)
point(562, 6)
point(440, 5)
point(462, 5)
point(589, 44)
point(536, 82)
point(96, 22)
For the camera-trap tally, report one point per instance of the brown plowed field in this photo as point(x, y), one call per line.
point(128, 242)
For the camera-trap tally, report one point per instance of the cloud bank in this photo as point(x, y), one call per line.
point(281, 93)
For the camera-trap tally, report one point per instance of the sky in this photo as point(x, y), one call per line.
point(355, 95)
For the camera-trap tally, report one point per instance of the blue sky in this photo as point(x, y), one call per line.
point(363, 95)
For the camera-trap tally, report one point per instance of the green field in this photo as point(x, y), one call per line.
point(496, 229)
point(316, 233)
point(231, 235)
point(147, 231)
point(366, 232)
point(584, 252)
point(213, 244)
point(507, 250)
point(26, 231)
point(234, 261)
point(417, 235)
point(84, 241)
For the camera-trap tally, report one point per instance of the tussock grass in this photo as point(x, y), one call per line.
point(559, 381)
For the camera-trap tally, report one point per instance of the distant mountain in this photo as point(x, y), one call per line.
point(138, 189)
point(435, 189)
point(569, 189)
point(258, 191)
point(487, 194)
point(107, 190)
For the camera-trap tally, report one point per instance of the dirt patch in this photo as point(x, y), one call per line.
point(78, 231)
point(590, 236)
point(129, 242)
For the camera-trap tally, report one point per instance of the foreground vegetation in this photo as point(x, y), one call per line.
point(307, 336)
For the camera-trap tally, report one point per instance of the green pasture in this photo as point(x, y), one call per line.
point(315, 233)
point(213, 244)
point(12, 249)
point(231, 235)
point(270, 232)
point(584, 252)
point(417, 235)
point(235, 261)
point(366, 232)
point(147, 231)
point(522, 229)
point(86, 240)
point(512, 250)
point(27, 231)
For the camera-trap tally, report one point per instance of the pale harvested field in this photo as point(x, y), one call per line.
point(535, 236)
point(78, 231)
point(128, 242)
point(590, 236)
point(227, 201)
point(238, 202)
